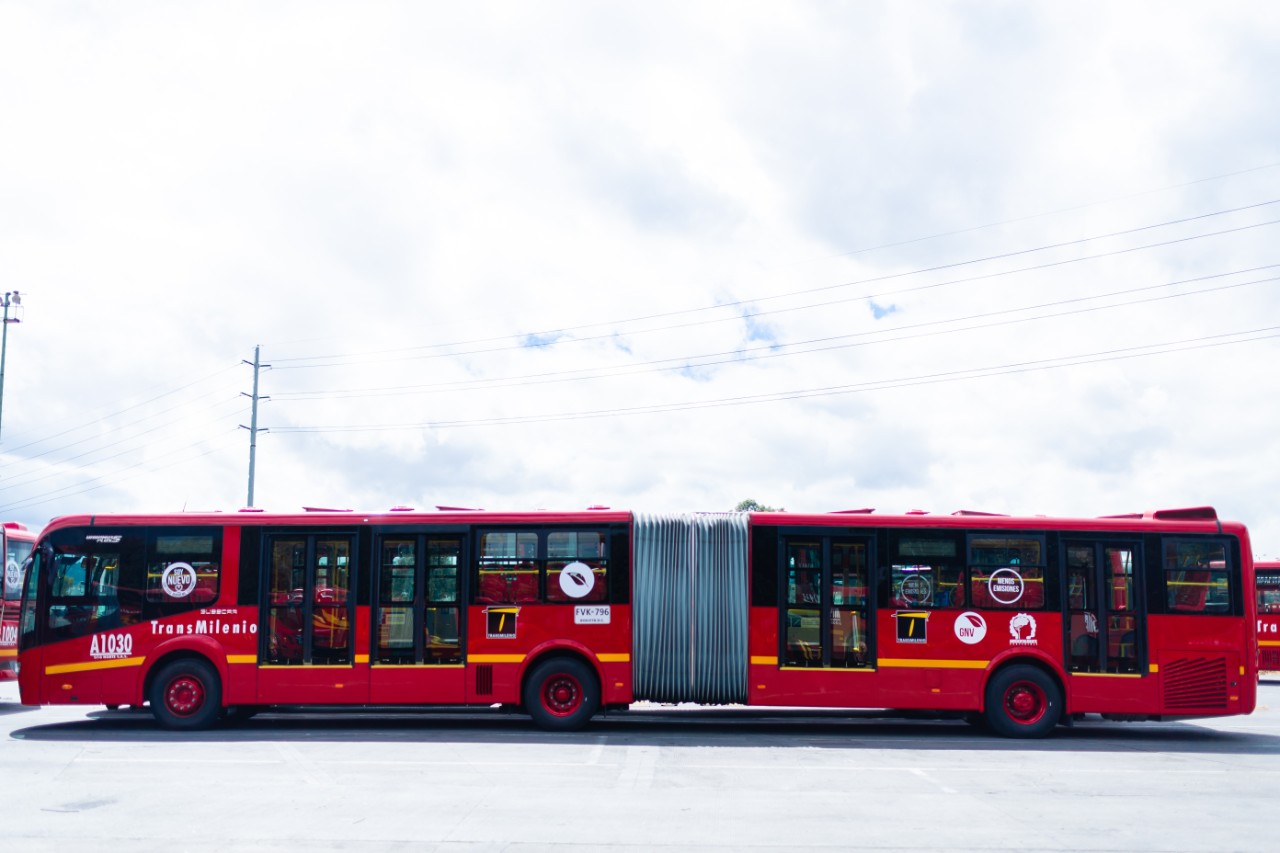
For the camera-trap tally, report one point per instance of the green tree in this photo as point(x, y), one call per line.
point(752, 505)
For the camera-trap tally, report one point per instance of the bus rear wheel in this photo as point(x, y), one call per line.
point(186, 694)
point(561, 694)
point(1023, 701)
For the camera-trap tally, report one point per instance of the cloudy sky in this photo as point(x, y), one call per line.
point(1014, 257)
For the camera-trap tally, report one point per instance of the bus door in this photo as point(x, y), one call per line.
point(417, 645)
point(307, 649)
point(1105, 628)
point(824, 602)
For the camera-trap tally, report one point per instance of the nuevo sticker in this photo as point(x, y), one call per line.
point(178, 580)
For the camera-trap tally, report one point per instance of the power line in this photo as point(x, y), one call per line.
point(877, 385)
point(130, 440)
point(771, 350)
point(99, 418)
point(115, 477)
point(554, 334)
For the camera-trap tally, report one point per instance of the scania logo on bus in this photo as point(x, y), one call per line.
point(110, 646)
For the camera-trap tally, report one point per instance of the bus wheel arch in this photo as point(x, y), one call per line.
point(1023, 699)
point(561, 691)
point(185, 692)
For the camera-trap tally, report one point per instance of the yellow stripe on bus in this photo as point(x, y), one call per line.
point(117, 663)
point(1269, 642)
point(242, 658)
point(8, 653)
point(495, 659)
point(618, 658)
point(764, 660)
point(914, 663)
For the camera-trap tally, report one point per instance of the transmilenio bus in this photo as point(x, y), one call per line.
point(1268, 590)
point(16, 541)
point(1023, 623)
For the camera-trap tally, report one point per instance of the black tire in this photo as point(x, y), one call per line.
point(1023, 702)
point(186, 694)
point(561, 694)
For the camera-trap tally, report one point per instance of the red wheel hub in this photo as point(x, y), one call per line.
point(561, 695)
point(184, 696)
point(1025, 702)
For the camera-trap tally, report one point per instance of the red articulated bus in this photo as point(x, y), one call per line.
point(17, 544)
point(1268, 579)
point(1021, 623)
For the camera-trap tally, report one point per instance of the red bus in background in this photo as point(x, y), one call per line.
point(17, 544)
point(1018, 623)
point(1268, 589)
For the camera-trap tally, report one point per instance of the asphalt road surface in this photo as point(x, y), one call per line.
point(87, 779)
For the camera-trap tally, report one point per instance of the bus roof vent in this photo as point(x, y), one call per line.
point(596, 507)
point(322, 509)
point(866, 510)
point(401, 509)
point(1123, 515)
point(14, 525)
point(252, 509)
point(917, 512)
point(977, 512)
point(1195, 513)
point(458, 509)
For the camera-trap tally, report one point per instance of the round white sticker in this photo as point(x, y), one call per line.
point(577, 580)
point(1006, 586)
point(916, 590)
point(12, 575)
point(178, 580)
point(971, 627)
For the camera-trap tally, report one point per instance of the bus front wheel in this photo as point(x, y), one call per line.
point(1023, 701)
point(561, 694)
point(186, 694)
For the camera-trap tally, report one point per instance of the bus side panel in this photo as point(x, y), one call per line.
point(31, 677)
point(1199, 665)
point(501, 638)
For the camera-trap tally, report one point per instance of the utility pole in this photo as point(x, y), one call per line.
point(10, 298)
point(253, 422)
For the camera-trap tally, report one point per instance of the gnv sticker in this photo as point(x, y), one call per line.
point(178, 580)
point(576, 580)
point(971, 627)
point(12, 575)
